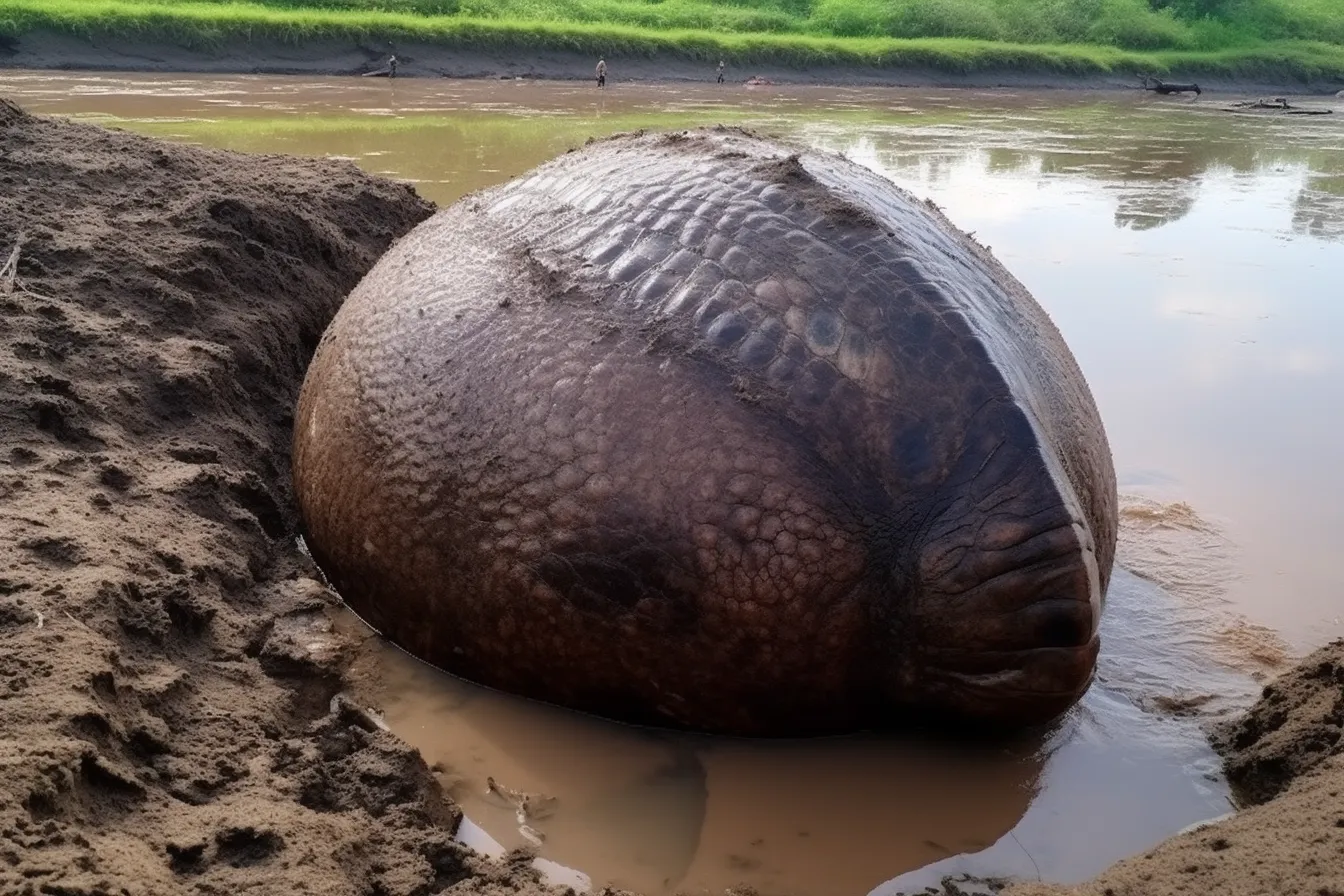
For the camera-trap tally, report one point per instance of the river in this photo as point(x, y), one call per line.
point(1194, 261)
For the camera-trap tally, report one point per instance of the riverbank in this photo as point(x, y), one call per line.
point(335, 44)
point(172, 690)
point(51, 50)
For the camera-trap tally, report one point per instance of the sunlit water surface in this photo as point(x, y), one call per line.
point(1194, 260)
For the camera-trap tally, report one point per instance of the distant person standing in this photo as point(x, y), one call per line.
point(601, 73)
point(720, 78)
point(391, 66)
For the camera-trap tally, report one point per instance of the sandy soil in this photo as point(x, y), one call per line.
point(173, 716)
point(167, 664)
point(46, 50)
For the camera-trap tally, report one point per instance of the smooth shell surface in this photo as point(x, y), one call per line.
point(700, 430)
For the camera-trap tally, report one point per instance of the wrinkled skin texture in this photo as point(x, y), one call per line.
point(688, 429)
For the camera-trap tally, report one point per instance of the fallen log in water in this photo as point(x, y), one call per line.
point(1277, 105)
point(1162, 87)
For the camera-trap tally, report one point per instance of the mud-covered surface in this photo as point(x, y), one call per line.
point(167, 664)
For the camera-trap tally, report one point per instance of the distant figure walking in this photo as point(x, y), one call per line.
point(601, 73)
point(391, 66)
point(720, 79)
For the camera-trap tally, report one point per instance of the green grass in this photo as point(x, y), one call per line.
point(1296, 39)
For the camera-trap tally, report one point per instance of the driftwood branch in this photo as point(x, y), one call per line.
point(1277, 104)
point(9, 274)
point(1156, 85)
point(10, 271)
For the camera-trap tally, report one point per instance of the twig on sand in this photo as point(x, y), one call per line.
point(9, 274)
point(78, 623)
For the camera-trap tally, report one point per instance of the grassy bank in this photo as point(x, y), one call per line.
point(1296, 39)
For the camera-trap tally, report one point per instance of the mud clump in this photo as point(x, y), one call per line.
point(1296, 726)
point(167, 660)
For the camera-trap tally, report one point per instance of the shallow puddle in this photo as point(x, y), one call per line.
point(661, 812)
point(1193, 261)
point(666, 812)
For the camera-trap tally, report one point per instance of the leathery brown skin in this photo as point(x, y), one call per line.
point(695, 430)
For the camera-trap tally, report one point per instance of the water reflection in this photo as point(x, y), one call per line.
point(1319, 209)
point(664, 812)
point(1152, 157)
point(454, 136)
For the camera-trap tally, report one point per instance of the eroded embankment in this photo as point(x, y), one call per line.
point(659, 59)
point(166, 665)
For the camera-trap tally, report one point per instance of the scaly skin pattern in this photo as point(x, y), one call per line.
point(696, 430)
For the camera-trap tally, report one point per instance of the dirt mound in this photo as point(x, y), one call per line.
point(1297, 724)
point(167, 665)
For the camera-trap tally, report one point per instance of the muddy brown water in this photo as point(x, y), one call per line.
point(1193, 260)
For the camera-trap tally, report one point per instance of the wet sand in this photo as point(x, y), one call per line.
point(48, 50)
point(172, 668)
